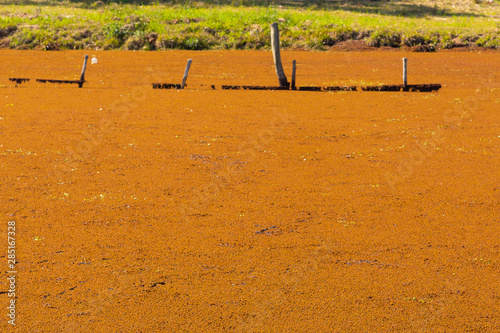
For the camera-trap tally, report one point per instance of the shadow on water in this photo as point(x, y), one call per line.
point(381, 7)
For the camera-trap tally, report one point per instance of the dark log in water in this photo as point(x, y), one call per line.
point(226, 87)
point(18, 80)
point(401, 87)
point(167, 86)
point(80, 83)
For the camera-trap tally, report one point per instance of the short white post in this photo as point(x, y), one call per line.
point(405, 77)
point(186, 73)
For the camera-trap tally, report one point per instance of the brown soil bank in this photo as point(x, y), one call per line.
point(201, 210)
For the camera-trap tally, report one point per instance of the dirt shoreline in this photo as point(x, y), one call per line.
point(348, 45)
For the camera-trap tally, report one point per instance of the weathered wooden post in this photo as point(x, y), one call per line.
point(293, 75)
point(275, 45)
point(186, 73)
point(405, 77)
point(82, 76)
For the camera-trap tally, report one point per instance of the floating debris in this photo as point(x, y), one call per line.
point(402, 87)
point(18, 80)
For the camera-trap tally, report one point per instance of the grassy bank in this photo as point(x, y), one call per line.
point(421, 25)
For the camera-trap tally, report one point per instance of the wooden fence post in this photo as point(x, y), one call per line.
point(405, 77)
point(293, 75)
point(275, 45)
point(186, 73)
point(82, 76)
